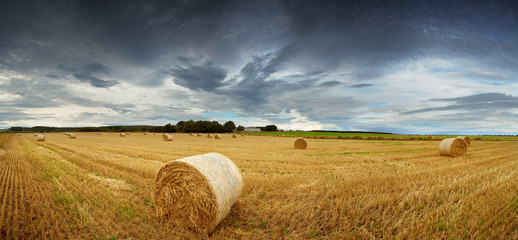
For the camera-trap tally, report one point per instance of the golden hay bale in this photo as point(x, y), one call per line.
point(41, 137)
point(19, 134)
point(430, 138)
point(242, 135)
point(168, 137)
point(145, 133)
point(199, 135)
point(466, 139)
point(197, 192)
point(217, 136)
point(234, 136)
point(123, 134)
point(190, 134)
point(35, 134)
point(453, 147)
point(72, 136)
point(300, 143)
point(209, 135)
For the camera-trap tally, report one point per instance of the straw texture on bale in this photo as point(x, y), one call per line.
point(209, 135)
point(300, 143)
point(197, 192)
point(190, 134)
point(168, 137)
point(453, 147)
point(242, 135)
point(35, 134)
point(41, 137)
point(72, 135)
point(122, 134)
point(234, 136)
point(199, 135)
point(430, 138)
point(19, 134)
point(217, 136)
point(466, 139)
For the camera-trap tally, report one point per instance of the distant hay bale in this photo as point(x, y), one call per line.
point(217, 136)
point(430, 138)
point(19, 134)
point(35, 134)
point(300, 143)
point(234, 136)
point(145, 133)
point(41, 137)
point(465, 139)
point(168, 137)
point(199, 134)
point(122, 134)
point(209, 135)
point(453, 147)
point(72, 136)
point(190, 134)
point(242, 135)
point(197, 192)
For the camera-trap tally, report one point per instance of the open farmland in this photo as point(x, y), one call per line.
point(100, 186)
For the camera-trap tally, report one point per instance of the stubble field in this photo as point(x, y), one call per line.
point(100, 187)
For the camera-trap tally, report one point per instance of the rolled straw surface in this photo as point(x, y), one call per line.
point(122, 134)
point(300, 143)
point(72, 135)
point(217, 136)
point(197, 192)
point(466, 139)
point(430, 138)
point(453, 147)
point(168, 137)
point(41, 137)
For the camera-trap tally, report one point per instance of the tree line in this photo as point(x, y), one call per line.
point(189, 126)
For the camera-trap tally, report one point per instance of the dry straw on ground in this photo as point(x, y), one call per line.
point(197, 192)
point(465, 139)
point(300, 143)
point(453, 147)
point(168, 137)
point(217, 136)
point(122, 134)
point(41, 137)
point(430, 138)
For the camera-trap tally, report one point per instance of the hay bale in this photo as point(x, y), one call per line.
point(430, 138)
point(122, 134)
point(242, 135)
point(197, 192)
point(190, 134)
point(465, 139)
point(209, 135)
point(145, 133)
point(453, 147)
point(41, 137)
point(217, 136)
point(234, 136)
point(72, 136)
point(168, 137)
point(19, 134)
point(300, 143)
point(35, 134)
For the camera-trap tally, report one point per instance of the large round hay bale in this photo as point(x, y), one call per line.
point(72, 136)
point(217, 136)
point(35, 134)
point(300, 143)
point(234, 136)
point(453, 147)
point(190, 134)
point(199, 134)
point(242, 135)
point(168, 137)
point(41, 137)
point(209, 135)
point(197, 192)
point(465, 139)
point(122, 134)
point(430, 138)
point(19, 134)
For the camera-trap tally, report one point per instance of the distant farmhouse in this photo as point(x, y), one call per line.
point(252, 129)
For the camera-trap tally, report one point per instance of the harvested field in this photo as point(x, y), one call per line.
point(101, 186)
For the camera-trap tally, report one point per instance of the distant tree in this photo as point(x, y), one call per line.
point(15, 129)
point(240, 128)
point(169, 128)
point(179, 126)
point(229, 126)
point(270, 128)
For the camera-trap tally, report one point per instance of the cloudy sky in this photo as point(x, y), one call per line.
point(418, 67)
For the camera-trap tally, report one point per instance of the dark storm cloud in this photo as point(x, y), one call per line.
point(477, 102)
point(97, 68)
point(361, 85)
point(95, 81)
point(199, 77)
